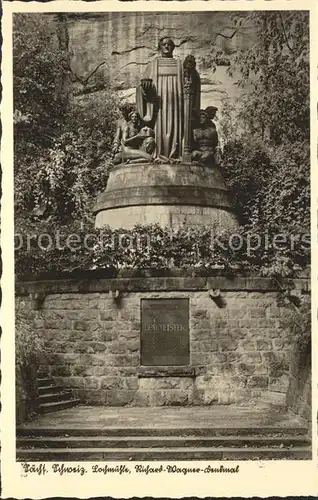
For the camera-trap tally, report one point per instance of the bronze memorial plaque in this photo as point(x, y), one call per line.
point(164, 332)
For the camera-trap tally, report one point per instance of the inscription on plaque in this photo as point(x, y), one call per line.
point(164, 332)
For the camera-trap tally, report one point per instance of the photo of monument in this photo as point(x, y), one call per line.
point(162, 236)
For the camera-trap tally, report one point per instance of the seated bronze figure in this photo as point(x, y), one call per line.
point(136, 141)
point(205, 139)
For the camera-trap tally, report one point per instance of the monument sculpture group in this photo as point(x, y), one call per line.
point(166, 124)
point(164, 153)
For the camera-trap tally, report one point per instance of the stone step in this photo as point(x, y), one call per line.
point(161, 442)
point(202, 453)
point(55, 431)
point(59, 405)
point(45, 382)
point(46, 389)
point(55, 396)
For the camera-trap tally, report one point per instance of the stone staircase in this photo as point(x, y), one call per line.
point(140, 443)
point(53, 397)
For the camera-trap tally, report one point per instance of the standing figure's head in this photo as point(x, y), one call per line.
point(166, 46)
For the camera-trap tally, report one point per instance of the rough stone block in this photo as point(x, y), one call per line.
point(243, 394)
point(263, 344)
point(38, 323)
point(122, 359)
point(131, 313)
point(265, 323)
point(172, 397)
point(77, 304)
point(228, 369)
point(61, 370)
point(74, 336)
point(226, 397)
point(99, 371)
point(258, 381)
point(202, 324)
point(278, 344)
point(141, 399)
point(81, 370)
point(119, 397)
point(217, 357)
point(227, 344)
point(86, 314)
point(91, 382)
point(97, 397)
point(280, 384)
point(203, 382)
point(251, 357)
point(273, 311)
point(238, 381)
point(247, 345)
point(268, 357)
point(275, 398)
point(80, 325)
point(204, 346)
point(130, 383)
point(238, 314)
point(198, 397)
point(109, 383)
point(201, 335)
point(74, 382)
point(129, 347)
point(99, 359)
point(261, 369)
point(233, 357)
point(305, 412)
point(57, 324)
point(200, 314)
point(97, 346)
point(109, 314)
point(257, 312)
point(245, 369)
point(200, 358)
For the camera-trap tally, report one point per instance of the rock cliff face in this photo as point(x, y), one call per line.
point(116, 46)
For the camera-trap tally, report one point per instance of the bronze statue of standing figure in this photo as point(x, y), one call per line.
point(160, 101)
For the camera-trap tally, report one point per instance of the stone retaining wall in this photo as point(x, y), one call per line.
point(299, 391)
point(240, 349)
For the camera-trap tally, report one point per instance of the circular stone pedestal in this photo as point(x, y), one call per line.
point(180, 195)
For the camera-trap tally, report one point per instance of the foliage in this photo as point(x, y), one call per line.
point(301, 329)
point(247, 169)
point(270, 184)
point(61, 144)
point(29, 344)
point(40, 70)
point(68, 176)
point(275, 75)
point(57, 249)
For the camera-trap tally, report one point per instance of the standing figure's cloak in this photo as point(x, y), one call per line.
point(165, 111)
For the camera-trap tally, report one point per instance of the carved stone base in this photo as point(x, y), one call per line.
point(170, 195)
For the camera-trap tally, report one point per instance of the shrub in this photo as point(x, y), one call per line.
point(29, 347)
point(270, 184)
point(145, 247)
